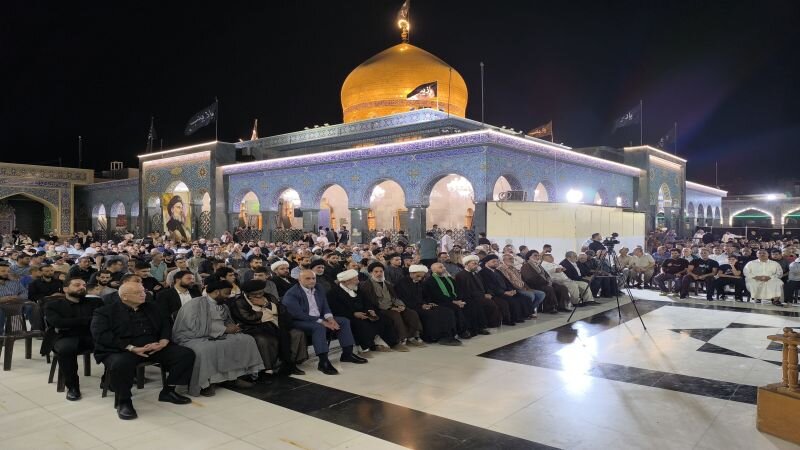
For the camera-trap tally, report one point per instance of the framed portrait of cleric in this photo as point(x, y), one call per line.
point(177, 215)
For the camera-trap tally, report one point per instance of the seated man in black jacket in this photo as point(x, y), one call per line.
point(370, 330)
point(184, 289)
point(69, 317)
point(438, 323)
point(263, 317)
point(132, 331)
point(520, 307)
point(440, 288)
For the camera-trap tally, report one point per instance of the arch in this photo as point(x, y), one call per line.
point(505, 183)
point(154, 218)
point(154, 201)
point(205, 203)
point(690, 210)
point(276, 200)
point(622, 200)
point(287, 201)
point(544, 192)
point(664, 197)
point(249, 210)
point(717, 215)
point(118, 217)
point(51, 209)
point(450, 200)
point(334, 208)
point(701, 212)
point(601, 197)
point(99, 219)
point(135, 209)
point(427, 189)
point(754, 210)
point(177, 186)
point(791, 217)
point(387, 203)
point(236, 201)
point(367, 196)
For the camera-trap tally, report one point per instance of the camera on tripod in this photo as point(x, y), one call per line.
point(611, 241)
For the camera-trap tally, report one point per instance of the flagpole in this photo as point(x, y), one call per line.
point(482, 110)
point(552, 133)
point(216, 121)
point(449, 87)
point(437, 95)
point(641, 123)
point(675, 143)
point(80, 152)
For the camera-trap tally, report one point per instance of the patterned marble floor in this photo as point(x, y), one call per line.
point(687, 382)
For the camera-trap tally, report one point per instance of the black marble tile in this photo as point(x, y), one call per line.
point(695, 385)
point(745, 394)
point(747, 325)
point(628, 374)
point(711, 348)
point(703, 334)
point(775, 346)
point(305, 399)
point(365, 414)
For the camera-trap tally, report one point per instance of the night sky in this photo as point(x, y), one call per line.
point(726, 71)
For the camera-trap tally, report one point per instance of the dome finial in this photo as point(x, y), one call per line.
point(402, 20)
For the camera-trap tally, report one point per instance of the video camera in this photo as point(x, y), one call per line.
point(611, 241)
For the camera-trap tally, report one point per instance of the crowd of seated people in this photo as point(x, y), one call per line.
point(187, 306)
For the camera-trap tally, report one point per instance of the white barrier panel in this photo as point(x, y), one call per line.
point(565, 226)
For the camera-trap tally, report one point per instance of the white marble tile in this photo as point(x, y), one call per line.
point(11, 402)
point(735, 429)
point(247, 418)
point(27, 421)
point(187, 435)
point(305, 432)
point(64, 436)
point(366, 442)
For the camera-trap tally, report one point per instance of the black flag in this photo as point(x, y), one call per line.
point(201, 119)
point(669, 138)
point(151, 135)
point(424, 91)
point(631, 117)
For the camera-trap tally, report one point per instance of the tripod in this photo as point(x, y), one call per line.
point(618, 275)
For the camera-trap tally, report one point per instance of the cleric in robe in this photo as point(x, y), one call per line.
point(222, 352)
point(763, 279)
point(175, 225)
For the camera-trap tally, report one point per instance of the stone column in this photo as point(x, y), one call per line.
point(416, 223)
point(268, 223)
point(358, 224)
point(479, 218)
point(233, 221)
point(310, 219)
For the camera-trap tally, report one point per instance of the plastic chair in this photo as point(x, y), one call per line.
point(87, 369)
point(139, 378)
point(15, 329)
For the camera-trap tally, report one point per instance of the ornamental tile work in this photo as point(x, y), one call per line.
point(108, 193)
point(162, 175)
point(55, 194)
point(417, 166)
point(658, 175)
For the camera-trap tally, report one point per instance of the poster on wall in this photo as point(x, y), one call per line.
point(177, 216)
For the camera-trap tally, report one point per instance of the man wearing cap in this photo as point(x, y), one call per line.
point(440, 288)
point(471, 289)
point(223, 353)
point(262, 316)
point(371, 331)
point(283, 282)
point(516, 308)
point(438, 323)
point(311, 314)
point(382, 295)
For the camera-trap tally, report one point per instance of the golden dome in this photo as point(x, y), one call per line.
point(378, 87)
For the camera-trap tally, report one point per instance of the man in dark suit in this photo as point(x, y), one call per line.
point(516, 307)
point(170, 300)
point(471, 289)
point(128, 278)
point(556, 295)
point(131, 331)
point(310, 312)
point(69, 318)
point(579, 283)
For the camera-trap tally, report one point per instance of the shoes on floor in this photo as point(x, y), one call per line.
point(353, 358)
point(173, 397)
point(400, 348)
point(73, 394)
point(450, 341)
point(209, 391)
point(327, 368)
point(125, 411)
